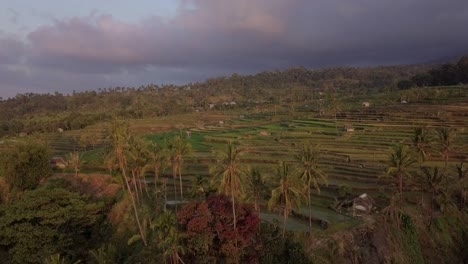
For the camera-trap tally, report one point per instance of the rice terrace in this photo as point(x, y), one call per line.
point(348, 139)
point(232, 132)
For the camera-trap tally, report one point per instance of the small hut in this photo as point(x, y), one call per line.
point(348, 128)
point(58, 163)
point(363, 204)
point(365, 104)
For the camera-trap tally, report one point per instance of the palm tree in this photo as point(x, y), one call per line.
point(110, 161)
point(421, 142)
point(179, 148)
point(399, 163)
point(462, 182)
point(288, 194)
point(229, 174)
point(138, 158)
point(75, 160)
point(167, 236)
point(157, 160)
point(446, 135)
point(334, 106)
point(120, 137)
point(432, 181)
point(255, 188)
point(310, 173)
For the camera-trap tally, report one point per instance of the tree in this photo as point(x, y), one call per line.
point(310, 173)
point(110, 161)
point(120, 137)
point(168, 237)
point(179, 148)
point(50, 221)
point(287, 195)
point(432, 182)
point(157, 160)
point(75, 160)
point(25, 166)
point(255, 188)
point(138, 157)
point(399, 163)
point(462, 182)
point(445, 136)
point(334, 106)
point(421, 143)
point(229, 175)
point(208, 234)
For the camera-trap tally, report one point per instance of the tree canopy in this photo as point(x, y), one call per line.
point(25, 166)
point(46, 222)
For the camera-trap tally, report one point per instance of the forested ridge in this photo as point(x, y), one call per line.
point(80, 109)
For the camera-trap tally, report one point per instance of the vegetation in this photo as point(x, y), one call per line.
point(50, 221)
point(287, 195)
point(229, 171)
point(446, 74)
point(400, 161)
point(26, 165)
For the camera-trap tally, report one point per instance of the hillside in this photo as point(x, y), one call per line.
point(174, 140)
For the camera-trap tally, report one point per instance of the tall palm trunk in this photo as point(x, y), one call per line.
point(432, 207)
point(285, 218)
point(122, 162)
point(156, 176)
point(135, 186)
point(400, 187)
point(310, 208)
point(233, 209)
point(174, 175)
point(336, 125)
point(180, 180)
point(446, 159)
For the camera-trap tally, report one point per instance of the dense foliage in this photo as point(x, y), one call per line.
point(25, 166)
point(210, 234)
point(446, 74)
point(49, 221)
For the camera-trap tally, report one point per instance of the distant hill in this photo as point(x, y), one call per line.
point(48, 112)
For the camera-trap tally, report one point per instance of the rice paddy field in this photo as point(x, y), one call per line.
point(354, 160)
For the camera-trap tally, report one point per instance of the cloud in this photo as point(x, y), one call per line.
point(211, 37)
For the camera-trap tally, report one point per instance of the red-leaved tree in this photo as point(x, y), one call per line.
point(209, 234)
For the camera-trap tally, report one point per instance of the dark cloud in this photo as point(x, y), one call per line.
point(212, 37)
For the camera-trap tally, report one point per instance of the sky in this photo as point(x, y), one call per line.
point(76, 45)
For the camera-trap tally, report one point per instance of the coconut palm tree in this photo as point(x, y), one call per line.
point(399, 163)
point(308, 165)
point(334, 106)
point(110, 161)
point(421, 143)
point(138, 158)
point(229, 174)
point(445, 136)
point(75, 160)
point(168, 238)
point(120, 137)
point(288, 194)
point(255, 188)
point(462, 182)
point(179, 148)
point(157, 159)
point(432, 181)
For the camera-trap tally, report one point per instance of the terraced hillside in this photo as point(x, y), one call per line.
point(355, 161)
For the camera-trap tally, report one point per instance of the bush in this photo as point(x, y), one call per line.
point(24, 167)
